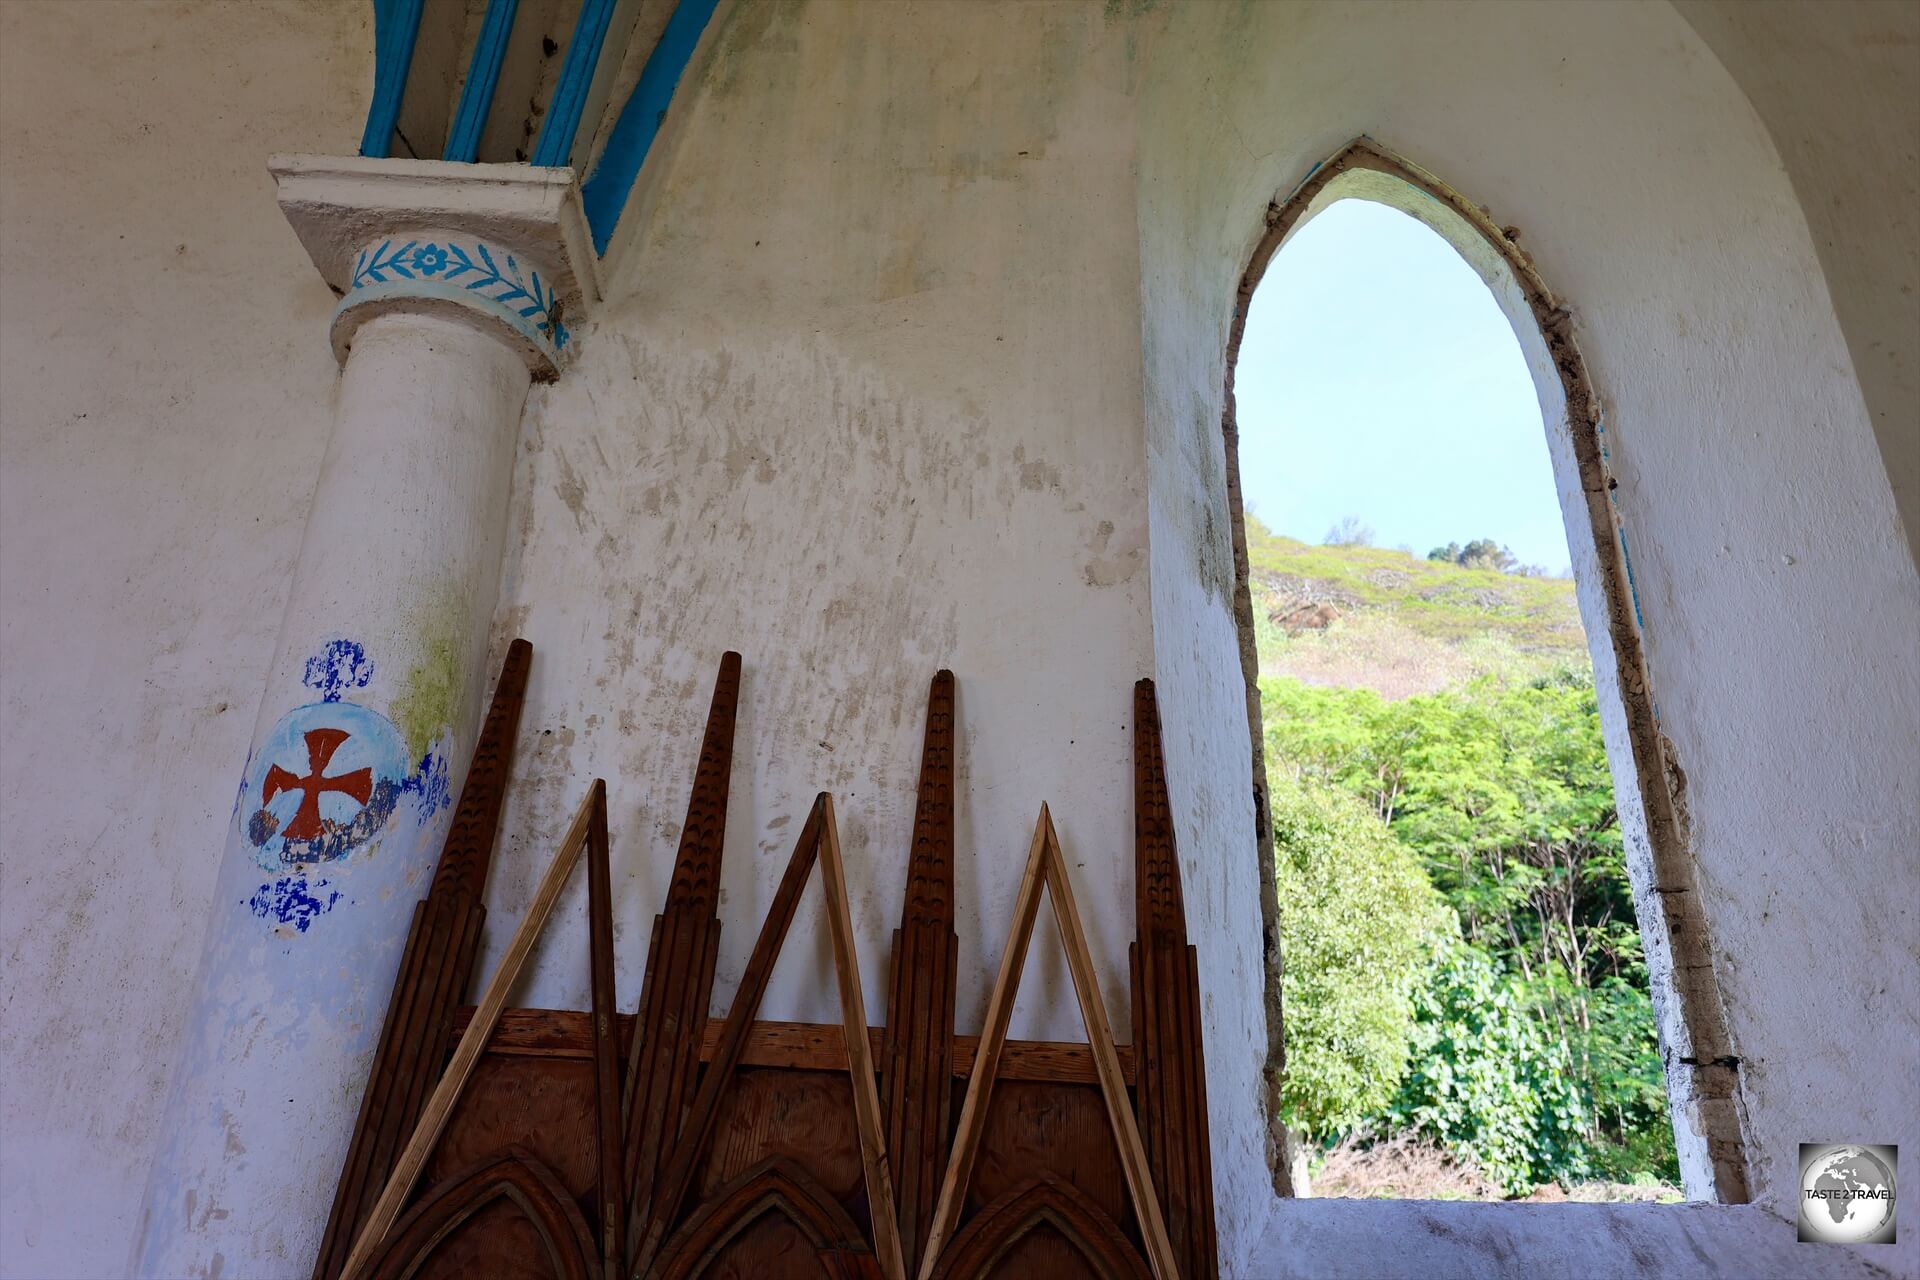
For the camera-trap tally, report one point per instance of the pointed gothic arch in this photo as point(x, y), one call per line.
point(779, 1187)
point(1045, 1204)
point(1701, 1064)
point(516, 1177)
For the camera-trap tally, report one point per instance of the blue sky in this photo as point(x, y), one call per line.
point(1379, 379)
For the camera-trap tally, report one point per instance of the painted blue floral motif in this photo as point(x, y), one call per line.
point(529, 296)
point(291, 900)
point(340, 665)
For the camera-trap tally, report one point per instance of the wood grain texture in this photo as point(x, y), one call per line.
point(435, 1237)
point(816, 1046)
point(918, 1053)
point(1171, 1097)
point(1045, 1227)
point(820, 1239)
point(806, 1117)
point(609, 1149)
point(986, 1058)
point(436, 968)
point(1093, 1010)
point(671, 1190)
point(433, 1117)
point(860, 1062)
point(678, 980)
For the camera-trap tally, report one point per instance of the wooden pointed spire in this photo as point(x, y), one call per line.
point(678, 983)
point(610, 1153)
point(917, 1061)
point(435, 970)
point(1169, 1053)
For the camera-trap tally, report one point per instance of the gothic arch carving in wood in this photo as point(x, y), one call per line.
point(772, 1186)
point(519, 1178)
point(1046, 1201)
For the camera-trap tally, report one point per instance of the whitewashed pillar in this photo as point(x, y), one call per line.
point(458, 283)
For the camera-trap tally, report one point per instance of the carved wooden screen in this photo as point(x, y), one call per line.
point(674, 1144)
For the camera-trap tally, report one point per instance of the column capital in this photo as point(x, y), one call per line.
point(504, 247)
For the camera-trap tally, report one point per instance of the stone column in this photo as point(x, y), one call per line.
point(457, 283)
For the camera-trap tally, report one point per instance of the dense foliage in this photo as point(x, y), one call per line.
point(1533, 1033)
point(1356, 901)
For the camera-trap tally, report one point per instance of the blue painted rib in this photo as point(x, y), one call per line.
point(396, 23)
point(605, 193)
point(483, 77)
point(555, 145)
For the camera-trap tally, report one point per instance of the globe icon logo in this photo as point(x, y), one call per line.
point(1846, 1193)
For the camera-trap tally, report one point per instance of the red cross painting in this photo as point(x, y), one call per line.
point(321, 744)
point(323, 783)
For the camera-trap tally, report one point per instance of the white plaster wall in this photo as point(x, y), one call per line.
point(864, 403)
point(912, 347)
point(165, 393)
point(1834, 82)
point(1780, 601)
point(1422, 1239)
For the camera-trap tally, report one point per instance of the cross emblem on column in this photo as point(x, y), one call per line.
point(321, 744)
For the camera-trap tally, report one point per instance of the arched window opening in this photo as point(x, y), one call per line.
point(1439, 631)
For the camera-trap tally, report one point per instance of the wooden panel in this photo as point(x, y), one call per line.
point(542, 1105)
point(413, 1158)
point(1033, 1127)
point(499, 1242)
point(774, 1220)
point(1042, 1228)
point(815, 1046)
point(459, 1228)
point(766, 1148)
point(435, 970)
point(804, 1117)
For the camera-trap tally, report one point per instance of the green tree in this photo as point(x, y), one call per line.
point(1481, 553)
point(1502, 791)
point(1490, 1081)
point(1358, 923)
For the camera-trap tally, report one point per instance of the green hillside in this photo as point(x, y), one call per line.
point(1369, 616)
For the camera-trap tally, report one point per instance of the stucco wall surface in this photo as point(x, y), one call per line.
point(911, 356)
point(1422, 1239)
point(165, 394)
point(864, 402)
point(1834, 84)
point(1779, 599)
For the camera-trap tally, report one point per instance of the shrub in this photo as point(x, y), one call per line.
point(1358, 922)
point(1489, 1082)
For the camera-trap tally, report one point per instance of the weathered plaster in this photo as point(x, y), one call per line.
point(1730, 405)
point(912, 356)
point(1816, 73)
point(819, 429)
point(167, 392)
point(1422, 1239)
point(400, 561)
